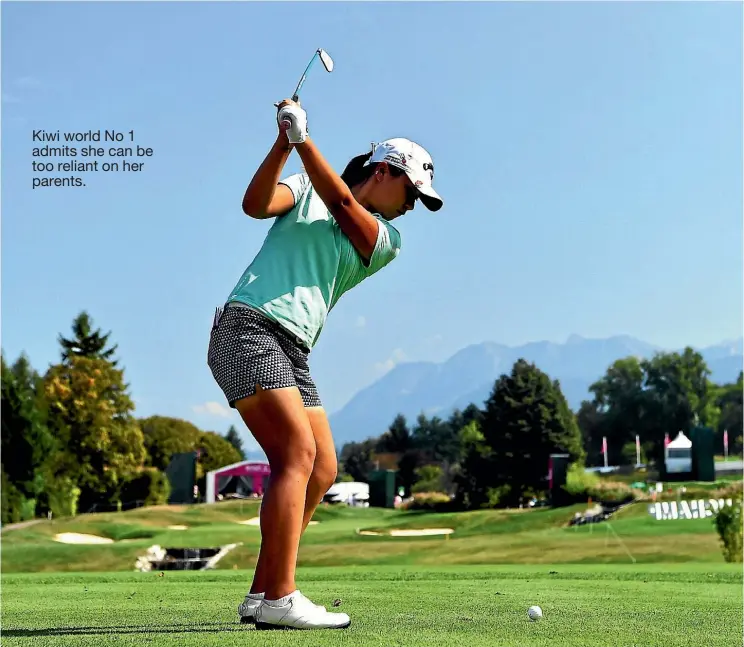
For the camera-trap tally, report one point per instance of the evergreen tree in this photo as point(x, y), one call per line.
point(233, 437)
point(26, 442)
point(526, 419)
point(86, 342)
point(397, 439)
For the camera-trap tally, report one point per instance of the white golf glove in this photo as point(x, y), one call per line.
point(297, 118)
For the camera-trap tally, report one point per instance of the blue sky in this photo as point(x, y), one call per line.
point(589, 155)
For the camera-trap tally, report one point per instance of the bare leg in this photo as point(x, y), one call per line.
point(325, 467)
point(279, 423)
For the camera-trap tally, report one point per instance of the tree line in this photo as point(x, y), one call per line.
point(497, 454)
point(70, 440)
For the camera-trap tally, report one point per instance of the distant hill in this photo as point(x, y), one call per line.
point(468, 376)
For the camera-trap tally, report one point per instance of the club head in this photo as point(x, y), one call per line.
point(326, 59)
point(327, 64)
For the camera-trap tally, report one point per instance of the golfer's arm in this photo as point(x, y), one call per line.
point(355, 221)
point(265, 197)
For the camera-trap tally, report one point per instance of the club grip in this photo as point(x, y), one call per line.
point(287, 124)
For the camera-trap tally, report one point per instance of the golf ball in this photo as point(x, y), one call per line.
point(535, 613)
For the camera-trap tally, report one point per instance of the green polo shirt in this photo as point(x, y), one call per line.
point(307, 263)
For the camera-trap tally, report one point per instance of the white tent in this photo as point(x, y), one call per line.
point(680, 442)
point(678, 454)
point(352, 492)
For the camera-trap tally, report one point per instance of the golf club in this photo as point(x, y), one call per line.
point(327, 61)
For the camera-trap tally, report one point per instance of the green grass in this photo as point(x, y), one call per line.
point(613, 606)
point(471, 589)
point(652, 476)
point(538, 536)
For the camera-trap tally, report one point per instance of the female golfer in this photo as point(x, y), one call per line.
point(330, 233)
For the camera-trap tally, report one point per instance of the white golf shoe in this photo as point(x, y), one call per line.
point(295, 611)
point(247, 608)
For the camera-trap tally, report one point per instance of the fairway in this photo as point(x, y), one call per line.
point(472, 588)
point(644, 606)
point(480, 537)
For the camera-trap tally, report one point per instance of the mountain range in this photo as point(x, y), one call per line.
point(468, 376)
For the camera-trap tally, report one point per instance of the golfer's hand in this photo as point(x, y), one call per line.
point(292, 120)
point(287, 102)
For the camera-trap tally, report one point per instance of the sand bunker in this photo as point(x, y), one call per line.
point(412, 532)
point(256, 521)
point(178, 527)
point(421, 532)
point(78, 538)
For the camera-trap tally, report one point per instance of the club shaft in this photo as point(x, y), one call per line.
point(296, 94)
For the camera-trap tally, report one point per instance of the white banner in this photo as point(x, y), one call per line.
point(698, 509)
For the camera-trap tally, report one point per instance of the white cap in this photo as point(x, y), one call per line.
point(415, 161)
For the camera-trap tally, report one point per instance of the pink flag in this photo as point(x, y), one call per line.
point(666, 440)
point(725, 439)
point(604, 445)
point(638, 442)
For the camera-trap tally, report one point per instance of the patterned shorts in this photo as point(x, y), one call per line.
point(246, 348)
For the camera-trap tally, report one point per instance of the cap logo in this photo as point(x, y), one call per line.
point(396, 158)
point(428, 166)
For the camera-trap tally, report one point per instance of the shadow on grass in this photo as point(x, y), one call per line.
point(207, 627)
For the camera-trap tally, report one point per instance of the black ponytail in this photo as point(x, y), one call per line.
point(356, 172)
